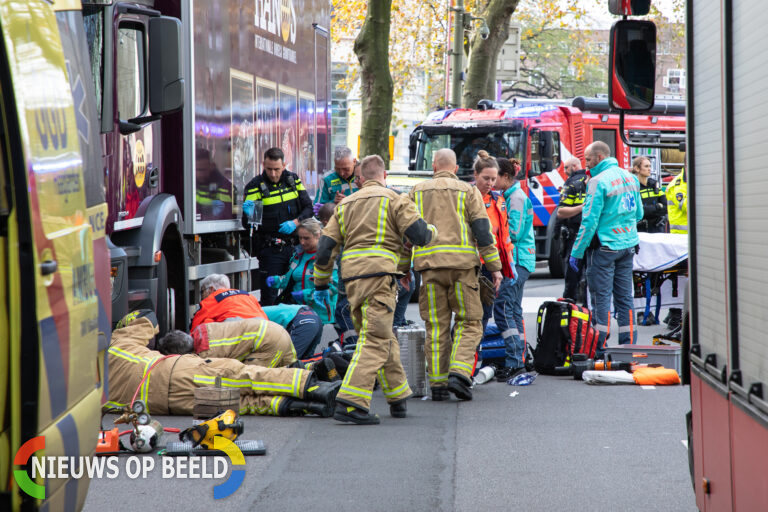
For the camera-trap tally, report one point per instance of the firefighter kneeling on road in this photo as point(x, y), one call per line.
point(449, 275)
point(372, 224)
point(166, 383)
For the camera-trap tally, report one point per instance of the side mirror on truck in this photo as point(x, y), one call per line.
point(166, 74)
point(629, 7)
point(632, 65)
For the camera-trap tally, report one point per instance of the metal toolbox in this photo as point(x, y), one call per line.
point(411, 340)
point(668, 356)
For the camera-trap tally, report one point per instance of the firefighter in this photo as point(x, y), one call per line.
point(341, 182)
point(677, 203)
point(520, 217)
point(449, 275)
point(286, 203)
point(608, 238)
point(252, 341)
point(166, 383)
point(569, 219)
point(220, 302)
point(654, 200)
point(372, 225)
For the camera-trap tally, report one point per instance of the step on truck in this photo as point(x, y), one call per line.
point(542, 134)
point(723, 321)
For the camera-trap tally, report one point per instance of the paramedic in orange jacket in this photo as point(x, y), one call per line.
point(486, 172)
point(220, 302)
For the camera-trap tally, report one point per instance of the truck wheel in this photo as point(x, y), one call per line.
point(166, 299)
point(556, 266)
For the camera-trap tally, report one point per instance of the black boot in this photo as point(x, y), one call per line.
point(351, 414)
point(440, 394)
point(674, 318)
point(398, 409)
point(460, 387)
point(325, 370)
point(301, 407)
point(323, 392)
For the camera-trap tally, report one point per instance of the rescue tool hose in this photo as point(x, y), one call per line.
point(147, 375)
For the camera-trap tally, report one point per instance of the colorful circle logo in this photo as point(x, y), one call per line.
point(21, 476)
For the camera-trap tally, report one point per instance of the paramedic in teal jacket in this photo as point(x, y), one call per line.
point(608, 238)
point(510, 298)
point(341, 182)
point(300, 281)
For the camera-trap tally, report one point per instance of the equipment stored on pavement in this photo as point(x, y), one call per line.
point(562, 330)
point(224, 425)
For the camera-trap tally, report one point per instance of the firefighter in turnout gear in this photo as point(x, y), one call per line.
point(166, 379)
point(449, 275)
point(372, 225)
point(286, 203)
point(569, 208)
point(251, 341)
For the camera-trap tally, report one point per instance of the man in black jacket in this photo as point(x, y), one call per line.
point(285, 204)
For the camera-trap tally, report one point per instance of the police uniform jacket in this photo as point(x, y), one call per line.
point(573, 194)
point(372, 224)
point(456, 209)
point(654, 207)
point(285, 200)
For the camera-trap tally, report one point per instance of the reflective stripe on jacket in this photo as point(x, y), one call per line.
point(223, 304)
point(282, 201)
point(370, 225)
point(452, 206)
point(520, 216)
point(612, 209)
point(677, 204)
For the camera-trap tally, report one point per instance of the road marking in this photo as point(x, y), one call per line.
point(685, 443)
point(648, 387)
point(531, 304)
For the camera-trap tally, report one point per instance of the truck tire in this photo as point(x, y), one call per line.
point(556, 263)
point(166, 299)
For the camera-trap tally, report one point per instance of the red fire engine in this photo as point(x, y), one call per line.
point(542, 134)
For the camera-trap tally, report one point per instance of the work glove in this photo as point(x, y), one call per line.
point(248, 207)
point(287, 227)
point(574, 263)
point(487, 291)
point(272, 281)
point(298, 297)
point(322, 297)
point(316, 208)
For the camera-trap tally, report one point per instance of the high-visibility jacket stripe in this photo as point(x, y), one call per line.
point(434, 249)
point(358, 253)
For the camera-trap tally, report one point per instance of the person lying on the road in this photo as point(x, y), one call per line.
point(166, 383)
point(221, 302)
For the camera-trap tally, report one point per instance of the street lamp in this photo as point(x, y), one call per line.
point(462, 22)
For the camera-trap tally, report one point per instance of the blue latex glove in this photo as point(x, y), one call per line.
point(271, 281)
point(316, 208)
point(298, 297)
point(287, 227)
point(575, 263)
point(322, 297)
point(248, 207)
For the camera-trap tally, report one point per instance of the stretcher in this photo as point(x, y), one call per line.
point(660, 269)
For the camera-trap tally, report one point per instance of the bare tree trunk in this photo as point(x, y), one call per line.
point(483, 53)
point(372, 50)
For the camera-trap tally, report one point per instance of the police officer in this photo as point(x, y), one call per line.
point(286, 203)
point(340, 183)
point(372, 225)
point(654, 200)
point(569, 219)
point(608, 237)
point(449, 275)
point(677, 203)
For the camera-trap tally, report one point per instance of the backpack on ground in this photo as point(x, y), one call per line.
point(562, 329)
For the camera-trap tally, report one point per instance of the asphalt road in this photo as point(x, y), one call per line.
point(557, 445)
